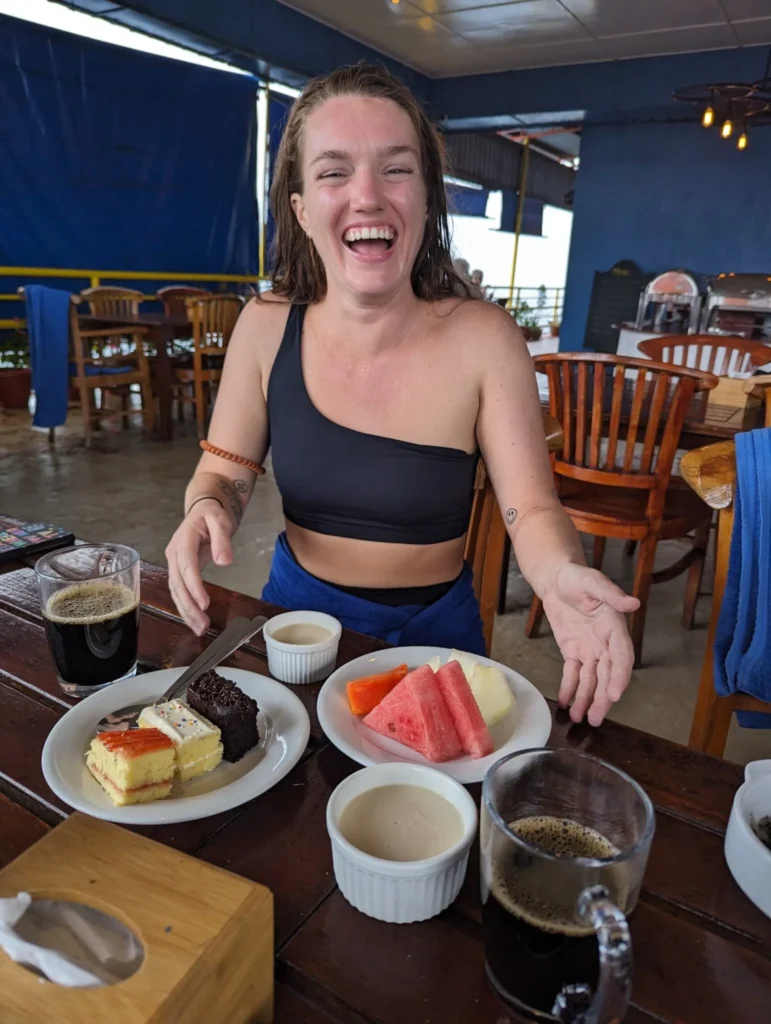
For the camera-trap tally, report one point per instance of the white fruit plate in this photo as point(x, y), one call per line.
point(528, 724)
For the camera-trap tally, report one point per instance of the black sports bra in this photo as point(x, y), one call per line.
point(346, 483)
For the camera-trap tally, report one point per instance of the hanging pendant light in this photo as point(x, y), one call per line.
point(708, 117)
point(741, 142)
point(727, 130)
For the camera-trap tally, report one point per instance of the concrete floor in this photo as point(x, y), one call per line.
point(130, 490)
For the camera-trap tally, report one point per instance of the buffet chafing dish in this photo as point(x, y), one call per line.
point(670, 304)
point(739, 304)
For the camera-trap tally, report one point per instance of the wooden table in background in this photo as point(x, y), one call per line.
point(702, 950)
point(162, 328)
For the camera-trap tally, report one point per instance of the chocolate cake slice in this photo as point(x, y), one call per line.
point(230, 709)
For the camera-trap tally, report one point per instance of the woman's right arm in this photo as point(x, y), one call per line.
point(219, 490)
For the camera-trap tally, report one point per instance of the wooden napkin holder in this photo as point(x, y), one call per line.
point(207, 934)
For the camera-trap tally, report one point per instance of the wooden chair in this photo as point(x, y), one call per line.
point(213, 318)
point(106, 301)
point(711, 472)
point(175, 296)
point(713, 353)
point(487, 542)
point(110, 363)
point(621, 419)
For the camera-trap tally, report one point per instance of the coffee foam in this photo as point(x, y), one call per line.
point(86, 604)
point(561, 838)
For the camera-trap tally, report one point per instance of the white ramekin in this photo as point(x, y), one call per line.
point(400, 891)
point(302, 663)
point(749, 859)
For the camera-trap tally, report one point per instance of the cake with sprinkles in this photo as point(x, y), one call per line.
point(229, 708)
point(133, 766)
point(197, 744)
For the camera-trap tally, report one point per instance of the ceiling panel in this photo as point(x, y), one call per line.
point(444, 38)
point(500, 58)
point(755, 32)
point(617, 17)
point(536, 20)
point(645, 44)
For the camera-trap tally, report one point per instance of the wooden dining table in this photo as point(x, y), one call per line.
point(702, 950)
point(161, 328)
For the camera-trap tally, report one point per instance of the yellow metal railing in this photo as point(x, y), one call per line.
point(96, 277)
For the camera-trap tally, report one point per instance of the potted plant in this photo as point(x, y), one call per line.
point(15, 374)
point(528, 321)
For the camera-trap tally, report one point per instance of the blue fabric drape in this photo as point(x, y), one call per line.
point(743, 640)
point(48, 311)
point(113, 159)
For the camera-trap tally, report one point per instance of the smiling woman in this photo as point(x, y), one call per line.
point(377, 380)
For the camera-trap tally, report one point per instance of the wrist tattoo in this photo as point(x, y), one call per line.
point(511, 515)
point(232, 500)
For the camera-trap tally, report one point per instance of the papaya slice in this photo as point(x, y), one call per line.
point(366, 693)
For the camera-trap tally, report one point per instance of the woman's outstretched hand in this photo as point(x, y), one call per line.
point(586, 613)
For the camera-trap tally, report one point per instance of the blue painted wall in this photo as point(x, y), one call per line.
point(666, 196)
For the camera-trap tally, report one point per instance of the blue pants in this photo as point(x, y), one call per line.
point(452, 621)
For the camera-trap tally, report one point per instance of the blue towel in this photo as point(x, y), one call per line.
point(743, 639)
point(452, 621)
point(48, 323)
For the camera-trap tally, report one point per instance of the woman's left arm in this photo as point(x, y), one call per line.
point(585, 609)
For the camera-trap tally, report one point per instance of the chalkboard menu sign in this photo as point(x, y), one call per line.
point(615, 295)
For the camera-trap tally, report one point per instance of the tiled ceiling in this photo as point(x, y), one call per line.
point(460, 37)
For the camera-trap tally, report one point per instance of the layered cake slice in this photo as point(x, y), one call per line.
point(196, 741)
point(134, 766)
point(230, 709)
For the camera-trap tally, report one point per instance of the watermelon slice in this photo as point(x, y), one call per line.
point(470, 726)
point(415, 714)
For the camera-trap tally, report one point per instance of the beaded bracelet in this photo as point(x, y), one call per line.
point(255, 467)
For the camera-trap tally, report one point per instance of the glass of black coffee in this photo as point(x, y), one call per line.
point(564, 843)
point(90, 600)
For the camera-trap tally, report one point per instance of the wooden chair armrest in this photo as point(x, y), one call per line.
point(711, 472)
point(553, 431)
point(757, 386)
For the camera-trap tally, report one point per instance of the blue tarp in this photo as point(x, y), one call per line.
point(113, 159)
point(278, 110)
point(532, 215)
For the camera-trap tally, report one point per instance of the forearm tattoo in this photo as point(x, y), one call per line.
point(511, 515)
point(230, 493)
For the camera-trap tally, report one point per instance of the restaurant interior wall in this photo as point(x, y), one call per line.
point(666, 196)
point(119, 160)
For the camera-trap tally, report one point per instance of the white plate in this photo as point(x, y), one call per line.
point(284, 732)
point(528, 725)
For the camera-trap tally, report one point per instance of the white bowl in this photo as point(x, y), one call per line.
point(400, 891)
point(301, 663)
point(749, 859)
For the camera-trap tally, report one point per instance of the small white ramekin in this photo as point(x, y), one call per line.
point(302, 663)
point(400, 891)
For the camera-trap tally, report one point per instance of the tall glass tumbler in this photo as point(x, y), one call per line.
point(564, 844)
point(90, 601)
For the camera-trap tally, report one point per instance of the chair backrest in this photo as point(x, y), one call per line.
point(102, 347)
point(104, 301)
point(621, 418)
point(713, 353)
point(213, 318)
point(175, 296)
